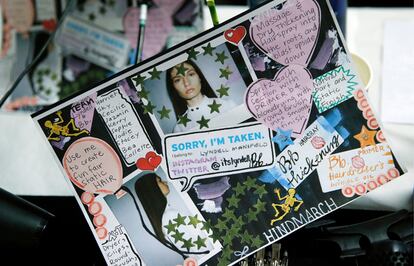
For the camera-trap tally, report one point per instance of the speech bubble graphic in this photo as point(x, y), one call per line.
point(284, 102)
point(212, 153)
point(333, 88)
point(289, 35)
point(93, 166)
point(19, 14)
point(120, 117)
point(82, 112)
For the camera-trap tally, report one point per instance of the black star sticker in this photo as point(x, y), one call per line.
point(143, 94)
point(155, 74)
point(224, 91)
point(164, 112)
point(192, 54)
point(178, 236)
point(221, 57)
point(170, 227)
point(183, 119)
point(203, 122)
point(181, 69)
point(208, 49)
point(214, 107)
point(180, 220)
point(187, 243)
point(138, 80)
point(200, 242)
point(225, 72)
point(149, 108)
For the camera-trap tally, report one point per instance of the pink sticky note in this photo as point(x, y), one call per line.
point(284, 102)
point(288, 35)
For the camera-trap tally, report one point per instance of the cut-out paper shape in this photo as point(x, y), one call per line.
point(318, 142)
point(87, 198)
point(296, 162)
point(288, 35)
point(61, 143)
point(19, 14)
point(366, 137)
point(95, 208)
point(212, 194)
point(93, 166)
point(287, 203)
point(122, 121)
point(354, 167)
point(99, 220)
point(59, 129)
point(102, 232)
point(284, 102)
point(82, 112)
point(333, 88)
point(236, 35)
point(283, 138)
point(192, 155)
point(149, 162)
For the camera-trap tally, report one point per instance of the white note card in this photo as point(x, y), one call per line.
point(398, 72)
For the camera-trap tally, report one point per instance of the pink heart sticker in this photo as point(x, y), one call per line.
point(284, 102)
point(82, 112)
point(289, 35)
point(235, 35)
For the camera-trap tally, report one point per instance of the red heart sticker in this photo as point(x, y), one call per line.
point(49, 24)
point(235, 35)
point(150, 162)
point(153, 159)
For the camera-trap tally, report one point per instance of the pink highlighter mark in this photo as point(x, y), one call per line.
point(284, 102)
point(289, 35)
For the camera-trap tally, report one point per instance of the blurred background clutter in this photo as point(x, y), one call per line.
point(45, 47)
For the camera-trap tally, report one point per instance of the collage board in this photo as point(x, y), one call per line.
point(223, 144)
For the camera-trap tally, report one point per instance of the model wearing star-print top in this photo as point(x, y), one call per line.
point(194, 102)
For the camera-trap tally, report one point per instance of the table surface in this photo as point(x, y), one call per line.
point(28, 167)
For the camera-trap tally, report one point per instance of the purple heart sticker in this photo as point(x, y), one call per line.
point(284, 102)
point(82, 112)
point(288, 35)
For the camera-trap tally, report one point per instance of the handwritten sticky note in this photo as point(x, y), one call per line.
point(288, 35)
